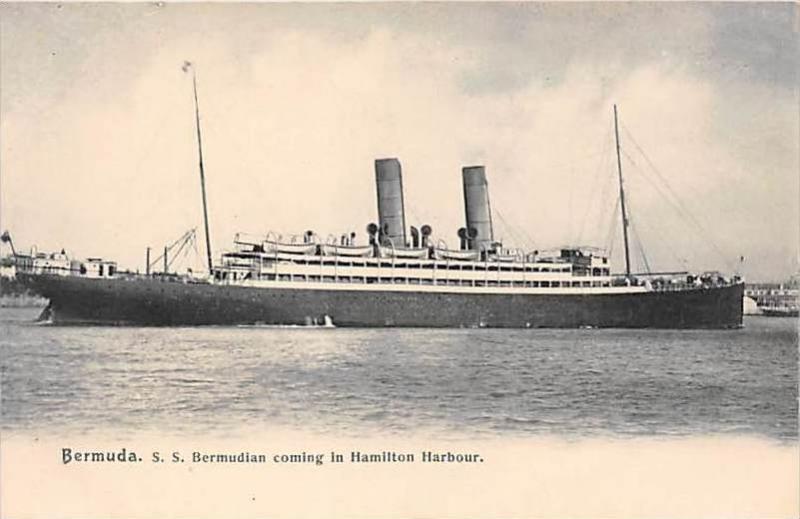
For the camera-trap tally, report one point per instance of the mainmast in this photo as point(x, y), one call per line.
point(186, 66)
point(622, 200)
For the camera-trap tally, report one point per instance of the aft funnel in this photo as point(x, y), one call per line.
point(477, 208)
point(391, 216)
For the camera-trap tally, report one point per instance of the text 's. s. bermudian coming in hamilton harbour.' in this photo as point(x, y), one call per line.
point(70, 455)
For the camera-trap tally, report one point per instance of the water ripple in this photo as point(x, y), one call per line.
point(482, 382)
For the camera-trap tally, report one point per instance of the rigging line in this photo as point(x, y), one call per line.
point(171, 260)
point(579, 158)
point(594, 184)
point(683, 213)
point(640, 246)
point(526, 239)
point(514, 234)
point(689, 214)
point(551, 170)
point(187, 248)
point(195, 249)
point(504, 226)
point(594, 180)
point(172, 246)
point(612, 231)
point(605, 180)
point(602, 205)
point(652, 166)
point(666, 234)
point(567, 166)
point(655, 170)
point(503, 223)
point(515, 173)
point(658, 189)
point(611, 219)
point(605, 194)
point(180, 249)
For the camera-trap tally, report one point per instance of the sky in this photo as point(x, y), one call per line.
point(98, 151)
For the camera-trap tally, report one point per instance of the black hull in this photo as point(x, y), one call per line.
point(155, 302)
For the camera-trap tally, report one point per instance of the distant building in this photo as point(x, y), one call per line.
point(98, 268)
point(772, 296)
point(57, 263)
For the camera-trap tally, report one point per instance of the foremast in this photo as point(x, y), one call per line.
point(186, 66)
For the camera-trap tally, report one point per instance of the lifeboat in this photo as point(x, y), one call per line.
point(352, 251)
point(505, 257)
point(289, 248)
point(411, 253)
point(457, 255)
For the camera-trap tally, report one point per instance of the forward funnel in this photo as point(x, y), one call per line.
point(477, 208)
point(391, 215)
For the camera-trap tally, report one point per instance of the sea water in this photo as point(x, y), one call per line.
point(349, 382)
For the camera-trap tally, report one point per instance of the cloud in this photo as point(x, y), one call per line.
point(292, 126)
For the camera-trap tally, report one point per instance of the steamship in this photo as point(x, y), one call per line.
point(399, 277)
point(393, 280)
